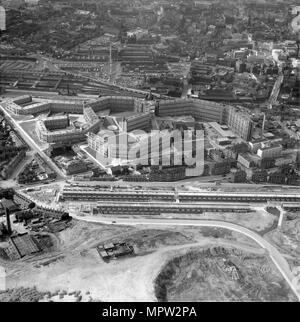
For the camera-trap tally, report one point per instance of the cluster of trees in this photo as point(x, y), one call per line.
point(27, 175)
point(21, 294)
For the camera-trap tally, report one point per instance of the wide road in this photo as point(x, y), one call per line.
point(33, 145)
point(278, 260)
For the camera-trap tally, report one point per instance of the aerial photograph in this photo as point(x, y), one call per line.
point(149, 152)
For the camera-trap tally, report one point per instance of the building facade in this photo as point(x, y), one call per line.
point(204, 111)
point(240, 123)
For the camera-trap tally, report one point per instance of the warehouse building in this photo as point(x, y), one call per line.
point(20, 246)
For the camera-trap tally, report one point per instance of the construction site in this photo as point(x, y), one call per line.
point(182, 245)
point(84, 251)
point(220, 274)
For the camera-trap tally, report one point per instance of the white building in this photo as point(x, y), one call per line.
point(296, 10)
point(32, 2)
point(139, 33)
point(270, 151)
point(2, 19)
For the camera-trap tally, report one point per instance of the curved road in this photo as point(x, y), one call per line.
point(274, 254)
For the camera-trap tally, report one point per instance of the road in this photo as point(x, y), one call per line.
point(31, 142)
point(180, 184)
point(194, 183)
point(278, 260)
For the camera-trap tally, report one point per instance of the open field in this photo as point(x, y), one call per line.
point(74, 265)
point(258, 220)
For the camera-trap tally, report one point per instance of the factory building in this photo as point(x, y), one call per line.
point(20, 246)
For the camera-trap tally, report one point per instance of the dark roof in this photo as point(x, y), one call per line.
point(9, 204)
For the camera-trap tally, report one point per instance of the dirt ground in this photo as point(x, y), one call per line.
point(228, 275)
point(73, 266)
point(287, 240)
point(257, 220)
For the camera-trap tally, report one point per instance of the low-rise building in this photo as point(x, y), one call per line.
point(245, 160)
point(273, 151)
point(73, 167)
point(9, 168)
point(20, 246)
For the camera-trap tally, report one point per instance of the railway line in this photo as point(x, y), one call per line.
point(61, 81)
point(158, 208)
point(91, 194)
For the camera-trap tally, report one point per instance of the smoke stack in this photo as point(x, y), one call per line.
point(8, 225)
point(263, 125)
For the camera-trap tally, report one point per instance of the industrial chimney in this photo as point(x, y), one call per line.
point(263, 125)
point(8, 225)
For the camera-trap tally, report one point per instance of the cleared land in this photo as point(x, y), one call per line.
point(221, 274)
point(74, 265)
point(287, 240)
point(257, 220)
